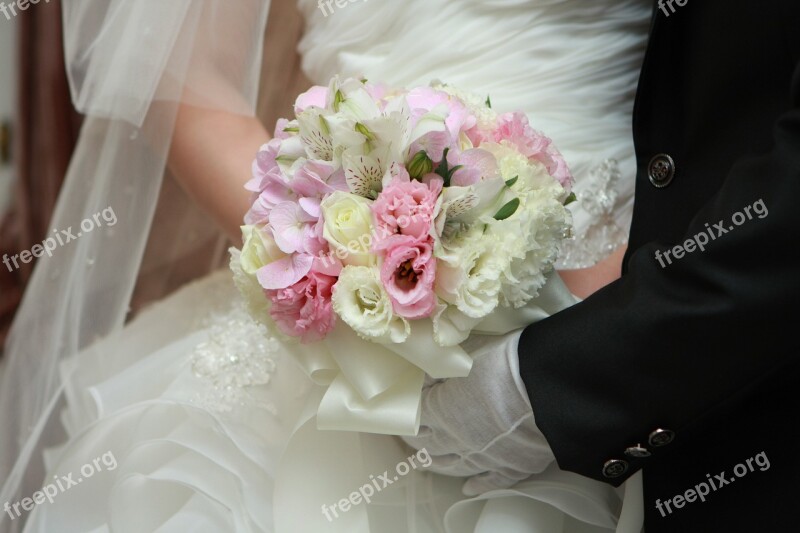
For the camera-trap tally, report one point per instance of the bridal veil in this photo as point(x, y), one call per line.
point(130, 65)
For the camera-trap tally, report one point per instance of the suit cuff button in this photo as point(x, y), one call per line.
point(614, 468)
point(661, 437)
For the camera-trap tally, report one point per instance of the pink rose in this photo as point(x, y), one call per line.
point(515, 128)
point(305, 309)
point(405, 207)
point(408, 273)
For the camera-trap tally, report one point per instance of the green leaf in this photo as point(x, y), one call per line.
point(443, 169)
point(507, 210)
point(291, 130)
point(453, 171)
point(489, 102)
point(571, 198)
point(510, 183)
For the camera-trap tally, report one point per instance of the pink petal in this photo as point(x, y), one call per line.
point(285, 272)
point(289, 223)
point(316, 96)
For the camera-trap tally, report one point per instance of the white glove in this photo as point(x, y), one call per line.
point(482, 426)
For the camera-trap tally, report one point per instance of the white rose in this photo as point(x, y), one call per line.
point(348, 228)
point(360, 299)
point(259, 249)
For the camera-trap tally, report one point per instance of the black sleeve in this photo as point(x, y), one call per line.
point(668, 347)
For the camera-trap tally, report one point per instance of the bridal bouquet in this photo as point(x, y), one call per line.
point(386, 226)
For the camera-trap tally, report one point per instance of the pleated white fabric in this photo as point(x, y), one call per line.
point(210, 422)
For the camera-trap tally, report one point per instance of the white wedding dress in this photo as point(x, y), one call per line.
point(210, 421)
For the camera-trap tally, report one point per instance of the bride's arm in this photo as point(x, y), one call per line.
point(586, 281)
point(211, 156)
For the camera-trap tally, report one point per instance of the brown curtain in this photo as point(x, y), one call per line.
point(44, 134)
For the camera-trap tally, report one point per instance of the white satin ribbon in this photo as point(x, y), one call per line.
point(377, 388)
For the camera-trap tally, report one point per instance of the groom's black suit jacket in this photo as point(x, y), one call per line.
point(706, 348)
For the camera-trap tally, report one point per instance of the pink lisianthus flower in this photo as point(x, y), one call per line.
point(405, 207)
point(515, 129)
point(305, 309)
point(408, 273)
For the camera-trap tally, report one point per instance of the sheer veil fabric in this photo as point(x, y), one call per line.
point(130, 64)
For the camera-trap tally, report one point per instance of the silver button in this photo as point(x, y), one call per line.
point(661, 437)
point(615, 468)
point(638, 451)
point(661, 170)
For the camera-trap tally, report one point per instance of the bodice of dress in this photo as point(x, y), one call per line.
point(571, 65)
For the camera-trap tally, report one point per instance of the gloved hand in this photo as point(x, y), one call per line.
point(482, 426)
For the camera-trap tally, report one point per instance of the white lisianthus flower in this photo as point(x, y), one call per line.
point(259, 249)
point(360, 299)
point(348, 228)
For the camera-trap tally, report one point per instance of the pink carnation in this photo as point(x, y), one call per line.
point(405, 207)
point(408, 273)
point(305, 309)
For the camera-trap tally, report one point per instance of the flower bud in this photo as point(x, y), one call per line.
point(420, 165)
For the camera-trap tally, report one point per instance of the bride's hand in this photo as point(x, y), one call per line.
point(482, 426)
